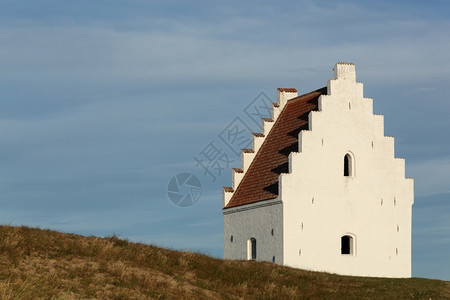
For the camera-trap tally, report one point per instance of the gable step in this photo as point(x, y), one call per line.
point(236, 177)
point(227, 194)
point(257, 141)
point(267, 124)
point(247, 156)
point(285, 94)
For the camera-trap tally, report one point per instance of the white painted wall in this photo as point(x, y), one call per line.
point(370, 205)
point(254, 220)
point(319, 205)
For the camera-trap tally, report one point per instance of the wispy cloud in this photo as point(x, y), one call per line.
point(399, 49)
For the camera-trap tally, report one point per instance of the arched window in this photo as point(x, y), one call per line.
point(347, 245)
point(251, 249)
point(348, 165)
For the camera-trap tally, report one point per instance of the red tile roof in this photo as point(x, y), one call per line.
point(260, 182)
point(289, 90)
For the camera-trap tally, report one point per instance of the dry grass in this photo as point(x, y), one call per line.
point(43, 264)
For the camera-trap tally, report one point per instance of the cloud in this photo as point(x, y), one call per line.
point(234, 48)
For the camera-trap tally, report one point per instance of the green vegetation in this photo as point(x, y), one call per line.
point(43, 264)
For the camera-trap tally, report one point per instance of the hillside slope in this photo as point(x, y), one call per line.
point(44, 264)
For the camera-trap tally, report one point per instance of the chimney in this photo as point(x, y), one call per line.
point(284, 94)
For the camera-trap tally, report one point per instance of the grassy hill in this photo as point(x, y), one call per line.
point(44, 264)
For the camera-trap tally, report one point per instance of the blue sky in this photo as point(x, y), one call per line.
point(102, 102)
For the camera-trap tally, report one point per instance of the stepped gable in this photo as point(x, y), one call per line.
point(260, 182)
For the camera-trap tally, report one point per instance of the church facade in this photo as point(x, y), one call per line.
point(321, 188)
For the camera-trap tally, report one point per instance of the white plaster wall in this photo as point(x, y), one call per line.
point(369, 205)
point(254, 220)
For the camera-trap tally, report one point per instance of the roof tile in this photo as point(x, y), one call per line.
point(260, 182)
point(248, 150)
point(288, 90)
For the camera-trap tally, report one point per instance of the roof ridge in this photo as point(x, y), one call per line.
point(299, 97)
point(288, 90)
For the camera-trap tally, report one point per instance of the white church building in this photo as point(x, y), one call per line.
point(321, 188)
